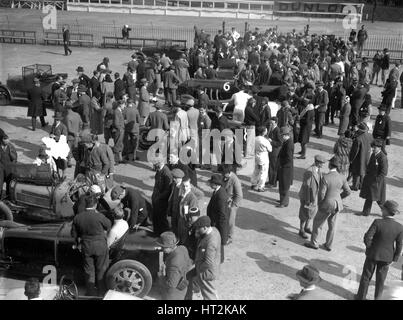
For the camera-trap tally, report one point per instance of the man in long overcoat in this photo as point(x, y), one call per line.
point(382, 127)
point(182, 66)
point(286, 167)
point(344, 116)
point(374, 185)
point(308, 195)
point(36, 107)
point(359, 155)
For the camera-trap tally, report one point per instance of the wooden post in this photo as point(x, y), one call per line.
point(246, 27)
point(223, 27)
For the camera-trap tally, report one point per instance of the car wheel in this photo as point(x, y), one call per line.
point(4, 97)
point(5, 212)
point(129, 276)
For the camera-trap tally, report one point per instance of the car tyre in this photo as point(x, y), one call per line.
point(5, 98)
point(5, 212)
point(129, 276)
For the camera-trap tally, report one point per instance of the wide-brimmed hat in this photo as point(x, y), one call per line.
point(320, 84)
point(391, 206)
point(86, 138)
point(216, 179)
point(143, 80)
point(167, 239)
point(80, 69)
point(377, 143)
point(309, 275)
point(284, 130)
point(188, 100)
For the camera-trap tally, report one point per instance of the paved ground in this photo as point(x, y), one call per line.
point(262, 262)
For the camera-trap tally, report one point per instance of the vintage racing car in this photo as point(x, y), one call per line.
point(26, 250)
point(17, 87)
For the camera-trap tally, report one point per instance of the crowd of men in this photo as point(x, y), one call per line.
point(321, 78)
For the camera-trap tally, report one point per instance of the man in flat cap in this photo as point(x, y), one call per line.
point(36, 107)
point(285, 174)
point(207, 260)
point(177, 263)
point(308, 195)
point(374, 185)
point(383, 127)
point(383, 242)
point(333, 188)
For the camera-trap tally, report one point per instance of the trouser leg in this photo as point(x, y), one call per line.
point(89, 270)
point(263, 175)
point(367, 273)
point(33, 123)
point(207, 289)
point(318, 222)
point(303, 149)
point(331, 222)
point(382, 269)
point(43, 122)
point(2, 174)
point(101, 265)
point(367, 207)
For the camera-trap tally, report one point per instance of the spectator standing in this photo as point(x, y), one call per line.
point(383, 127)
point(36, 107)
point(383, 242)
point(376, 67)
point(132, 131)
point(8, 156)
point(374, 185)
point(332, 190)
point(285, 167)
point(342, 150)
point(66, 40)
point(362, 37)
point(345, 112)
point(144, 101)
point(307, 117)
point(276, 143)
point(385, 64)
point(262, 149)
point(118, 129)
point(126, 32)
point(320, 102)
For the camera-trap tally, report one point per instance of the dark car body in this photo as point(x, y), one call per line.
point(28, 249)
point(17, 86)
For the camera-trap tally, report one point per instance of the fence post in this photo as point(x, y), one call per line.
point(223, 27)
point(246, 27)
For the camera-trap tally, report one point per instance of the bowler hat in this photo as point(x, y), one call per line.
point(284, 130)
point(391, 206)
point(80, 69)
point(143, 80)
point(309, 275)
point(167, 239)
point(203, 221)
point(178, 173)
point(320, 158)
point(377, 143)
point(320, 84)
point(382, 107)
point(216, 179)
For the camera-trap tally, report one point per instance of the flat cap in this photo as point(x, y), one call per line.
point(203, 221)
point(391, 206)
point(320, 158)
point(178, 173)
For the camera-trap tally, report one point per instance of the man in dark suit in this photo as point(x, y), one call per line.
point(221, 122)
point(285, 167)
point(321, 101)
point(160, 196)
point(171, 82)
point(374, 184)
point(132, 131)
point(95, 86)
point(118, 129)
point(66, 40)
point(329, 204)
point(383, 242)
point(383, 127)
point(218, 209)
point(36, 107)
point(8, 155)
point(120, 87)
point(157, 119)
point(133, 203)
point(276, 142)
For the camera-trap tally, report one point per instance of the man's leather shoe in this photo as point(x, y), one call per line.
point(311, 246)
point(327, 248)
point(281, 206)
point(307, 230)
point(303, 235)
point(301, 157)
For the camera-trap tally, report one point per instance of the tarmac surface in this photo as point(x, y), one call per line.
point(267, 251)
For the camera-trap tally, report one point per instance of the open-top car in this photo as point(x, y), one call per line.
point(134, 259)
point(17, 87)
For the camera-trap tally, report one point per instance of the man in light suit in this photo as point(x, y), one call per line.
point(383, 241)
point(308, 195)
point(329, 204)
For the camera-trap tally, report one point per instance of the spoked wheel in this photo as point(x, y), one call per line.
point(67, 289)
point(4, 97)
point(130, 277)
